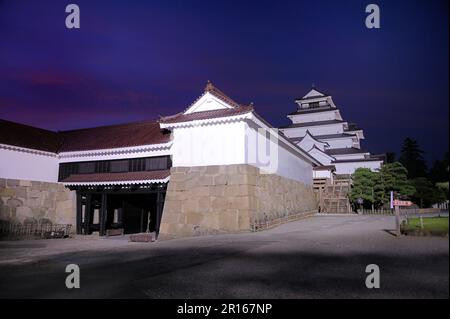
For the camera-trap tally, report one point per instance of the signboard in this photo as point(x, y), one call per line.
point(397, 202)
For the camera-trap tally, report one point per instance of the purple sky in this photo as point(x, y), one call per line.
point(135, 60)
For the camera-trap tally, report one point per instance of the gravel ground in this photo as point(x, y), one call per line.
point(318, 257)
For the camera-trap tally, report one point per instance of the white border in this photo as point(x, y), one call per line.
point(27, 150)
point(224, 119)
point(116, 151)
point(132, 182)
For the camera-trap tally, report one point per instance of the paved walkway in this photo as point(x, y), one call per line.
point(319, 257)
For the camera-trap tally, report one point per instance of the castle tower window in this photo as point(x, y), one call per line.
point(156, 163)
point(119, 166)
point(86, 167)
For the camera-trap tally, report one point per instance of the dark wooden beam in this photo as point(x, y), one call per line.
point(152, 190)
point(88, 215)
point(159, 208)
point(103, 214)
point(79, 218)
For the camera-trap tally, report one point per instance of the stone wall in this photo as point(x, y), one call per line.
point(30, 201)
point(230, 198)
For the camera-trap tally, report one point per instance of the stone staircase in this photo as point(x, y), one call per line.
point(333, 195)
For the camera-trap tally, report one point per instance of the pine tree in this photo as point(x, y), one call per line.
point(394, 177)
point(439, 172)
point(411, 157)
point(364, 181)
point(390, 157)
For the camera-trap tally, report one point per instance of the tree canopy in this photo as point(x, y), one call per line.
point(394, 177)
point(366, 185)
point(375, 187)
point(439, 172)
point(426, 192)
point(411, 157)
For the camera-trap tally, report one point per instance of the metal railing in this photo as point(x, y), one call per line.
point(10, 230)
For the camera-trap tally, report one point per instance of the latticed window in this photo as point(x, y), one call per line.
point(137, 164)
point(119, 166)
point(86, 167)
point(114, 166)
point(66, 169)
point(156, 163)
point(102, 167)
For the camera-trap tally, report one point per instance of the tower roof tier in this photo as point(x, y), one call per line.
point(345, 151)
point(317, 123)
point(333, 136)
point(325, 108)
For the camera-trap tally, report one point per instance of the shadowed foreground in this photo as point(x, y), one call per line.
point(320, 257)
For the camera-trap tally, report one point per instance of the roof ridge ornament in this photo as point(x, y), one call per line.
point(211, 88)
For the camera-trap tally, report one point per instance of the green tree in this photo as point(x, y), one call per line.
point(426, 192)
point(439, 172)
point(411, 157)
point(394, 177)
point(444, 188)
point(367, 185)
point(390, 157)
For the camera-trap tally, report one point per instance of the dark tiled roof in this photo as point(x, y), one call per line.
point(345, 151)
point(371, 159)
point(299, 139)
point(353, 127)
point(330, 136)
point(301, 99)
point(324, 168)
point(210, 88)
point(237, 109)
point(218, 93)
point(117, 177)
point(318, 123)
point(29, 137)
point(114, 136)
point(321, 95)
point(204, 115)
point(104, 137)
point(295, 139)
point(313, 110)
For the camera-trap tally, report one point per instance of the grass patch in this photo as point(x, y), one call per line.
point(432, 226)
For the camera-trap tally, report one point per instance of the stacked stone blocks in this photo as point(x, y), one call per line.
point(230, 198)
point(24, 201)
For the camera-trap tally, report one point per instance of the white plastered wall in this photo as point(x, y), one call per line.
point(337, 128)
point(278, 157)
point(209, 144)
point(23, 164)
point(237, 143)
point(315, 117)
point(339, 142)
point(349, 168)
